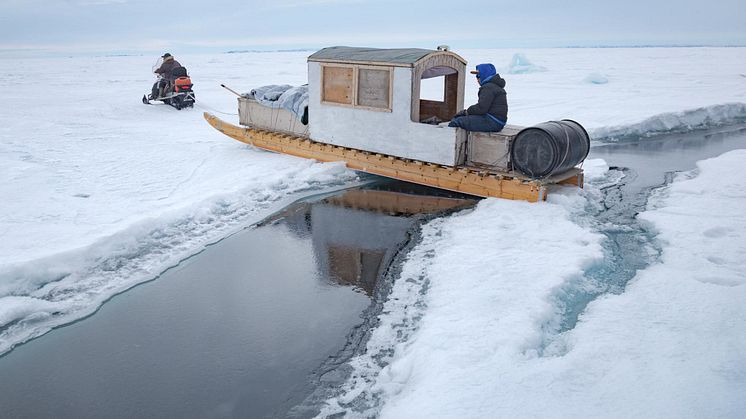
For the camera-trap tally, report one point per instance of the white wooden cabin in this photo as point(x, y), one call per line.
point(369, 99)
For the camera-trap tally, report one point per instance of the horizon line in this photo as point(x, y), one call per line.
point(32, 51)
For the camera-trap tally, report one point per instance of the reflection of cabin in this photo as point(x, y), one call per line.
point(351, 255)
point(369, 99)
point(377, 222)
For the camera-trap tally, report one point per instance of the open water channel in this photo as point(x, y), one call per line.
point(238, 330)
point(246, 327)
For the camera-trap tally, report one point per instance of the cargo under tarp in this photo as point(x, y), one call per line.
point(284, 96)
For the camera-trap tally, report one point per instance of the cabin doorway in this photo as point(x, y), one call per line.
point(438, 99)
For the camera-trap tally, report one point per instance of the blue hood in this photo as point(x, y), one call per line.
point(486, 73)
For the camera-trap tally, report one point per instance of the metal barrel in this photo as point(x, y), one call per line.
point(549, 148)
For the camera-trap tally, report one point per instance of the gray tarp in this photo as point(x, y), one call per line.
point(292, 98)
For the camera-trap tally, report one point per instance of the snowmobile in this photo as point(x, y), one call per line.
point(177, 93)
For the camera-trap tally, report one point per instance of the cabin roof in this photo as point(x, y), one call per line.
point(405, 57)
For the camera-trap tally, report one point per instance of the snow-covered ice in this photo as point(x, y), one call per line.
point(672, 345)
point(596, 78)
point(102, 193)
point(480, 289)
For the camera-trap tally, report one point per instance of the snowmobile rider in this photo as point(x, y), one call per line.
point(165, 71)
point(490, 114)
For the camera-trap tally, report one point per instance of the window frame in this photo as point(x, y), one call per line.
point(323, 87)
point(355, 86)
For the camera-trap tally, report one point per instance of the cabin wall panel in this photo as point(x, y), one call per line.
point(391, 133)
point(489, 149)
point(450, 96)
point(430, 108)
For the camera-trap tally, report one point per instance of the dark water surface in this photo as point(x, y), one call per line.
point(235, 331)
point(651, 159)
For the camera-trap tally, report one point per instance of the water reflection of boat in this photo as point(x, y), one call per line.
point(356, 234)
point(395, 203)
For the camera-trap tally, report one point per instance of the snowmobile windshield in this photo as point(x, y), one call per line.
point(157, 64)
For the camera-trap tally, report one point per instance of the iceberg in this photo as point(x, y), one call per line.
point(522, 65)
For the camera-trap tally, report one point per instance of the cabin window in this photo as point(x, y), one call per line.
point(373, 88)
point(337, 84)
point(367, 87)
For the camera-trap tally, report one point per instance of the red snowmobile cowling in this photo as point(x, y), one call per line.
point(182, 84)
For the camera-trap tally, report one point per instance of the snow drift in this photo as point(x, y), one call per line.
point(676, 122)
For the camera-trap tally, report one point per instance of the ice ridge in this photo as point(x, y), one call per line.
point(675, 122)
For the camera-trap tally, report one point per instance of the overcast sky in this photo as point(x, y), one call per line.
point(220, 25)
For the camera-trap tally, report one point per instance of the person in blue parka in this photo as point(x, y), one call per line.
point(490, 114)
